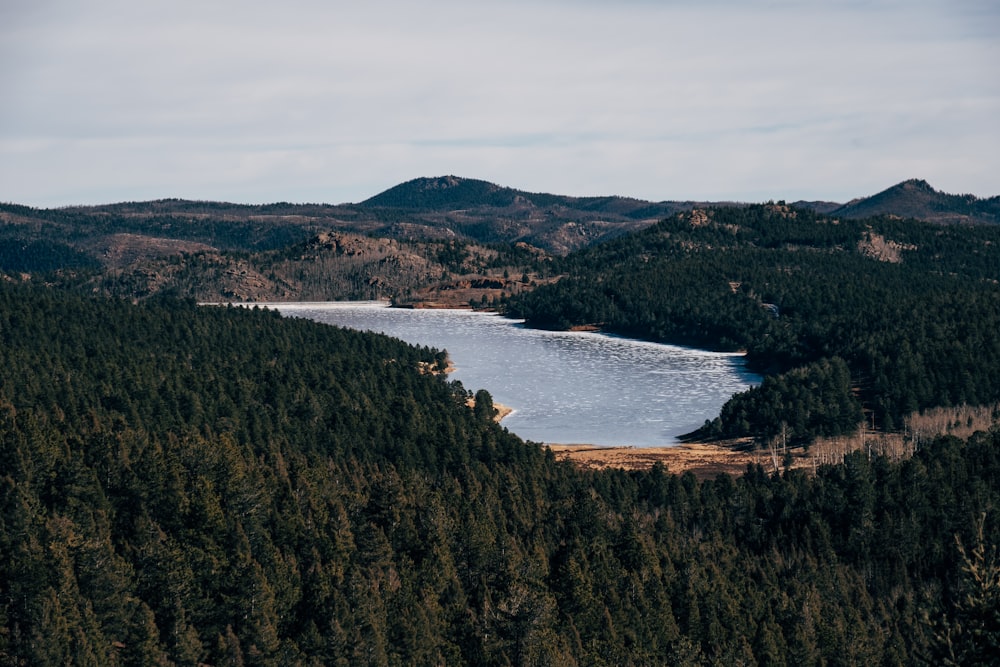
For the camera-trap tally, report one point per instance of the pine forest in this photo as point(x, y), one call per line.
point(184, 484)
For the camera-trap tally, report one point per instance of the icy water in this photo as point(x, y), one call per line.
point(564, 387)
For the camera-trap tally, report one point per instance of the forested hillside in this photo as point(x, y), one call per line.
point(886, 314)
point(916, 198)
point(184, 485)
point(417, 241)
point(227, 252)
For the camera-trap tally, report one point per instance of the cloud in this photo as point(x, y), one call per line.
point(308, 100)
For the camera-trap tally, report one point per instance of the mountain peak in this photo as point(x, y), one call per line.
point(440, 182)
point(916, 198)
point(443, 192)
point(912, 184)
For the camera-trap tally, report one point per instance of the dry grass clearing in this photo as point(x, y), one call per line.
point(701, 459)
point(706, 460)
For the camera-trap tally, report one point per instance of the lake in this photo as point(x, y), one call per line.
point(564, 387)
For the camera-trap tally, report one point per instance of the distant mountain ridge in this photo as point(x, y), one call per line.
point(270, 251)
point(444, 192)
point(915, 198)
point(456, 193)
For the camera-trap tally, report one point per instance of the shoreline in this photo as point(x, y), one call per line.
point(499, 409)
point(702, 459)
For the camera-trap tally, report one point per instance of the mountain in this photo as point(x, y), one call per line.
point(438, 234)
point(454, 193)
point(444, 192)
point(491, 213)
point(212, 251)
point(444, 208)
point(916, 198)
point(427, 240)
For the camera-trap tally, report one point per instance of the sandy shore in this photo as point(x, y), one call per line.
point(702, 460)
point(502, 411)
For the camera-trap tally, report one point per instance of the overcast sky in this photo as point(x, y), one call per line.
point(325, 101)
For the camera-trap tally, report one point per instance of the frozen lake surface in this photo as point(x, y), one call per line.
point(564, 387)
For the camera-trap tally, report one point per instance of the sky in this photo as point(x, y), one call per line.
point(324, 101)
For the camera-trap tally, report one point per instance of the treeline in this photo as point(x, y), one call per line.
point(21, 255)
point(213, 225)
point(184, 485)
point(804, 292)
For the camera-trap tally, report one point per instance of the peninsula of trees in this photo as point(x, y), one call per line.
point(884, 315)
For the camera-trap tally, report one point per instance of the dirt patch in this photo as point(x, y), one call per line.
point(706, 460)
point(502, 411)
point(703, 460)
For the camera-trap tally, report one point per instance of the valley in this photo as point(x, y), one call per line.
point(187, 485)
